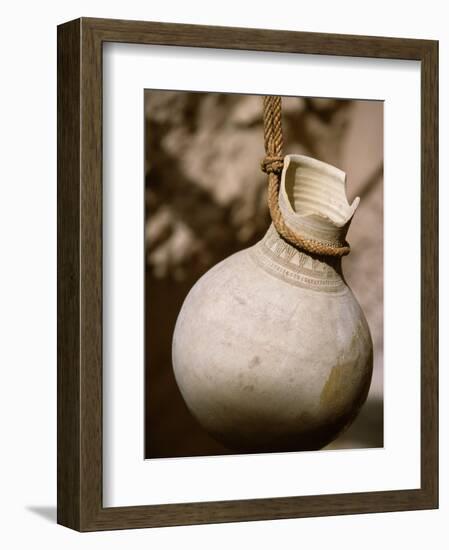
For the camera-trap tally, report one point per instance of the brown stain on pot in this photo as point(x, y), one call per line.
point(337, 390)
point(334, 390)
point(254, 362)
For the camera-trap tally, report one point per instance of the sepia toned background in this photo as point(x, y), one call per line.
point(205, 199)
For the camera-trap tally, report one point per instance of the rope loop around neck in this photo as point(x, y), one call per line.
point(272, 165)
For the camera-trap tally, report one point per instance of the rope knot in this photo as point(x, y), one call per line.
point(272, 165)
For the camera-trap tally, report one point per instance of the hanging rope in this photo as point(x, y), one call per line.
point(272, 164)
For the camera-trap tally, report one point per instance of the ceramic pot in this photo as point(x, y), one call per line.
point(271, 350)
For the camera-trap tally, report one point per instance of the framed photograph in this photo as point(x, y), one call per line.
point(247, 274)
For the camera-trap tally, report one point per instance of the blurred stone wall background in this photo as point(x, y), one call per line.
point(206, 198)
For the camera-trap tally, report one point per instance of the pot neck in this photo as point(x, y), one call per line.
point(294, 266)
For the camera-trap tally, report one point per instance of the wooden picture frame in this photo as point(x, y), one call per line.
point(80, 503)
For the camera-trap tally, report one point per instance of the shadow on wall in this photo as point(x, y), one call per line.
point(46, 512)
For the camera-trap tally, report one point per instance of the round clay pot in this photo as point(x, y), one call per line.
point(271, 350)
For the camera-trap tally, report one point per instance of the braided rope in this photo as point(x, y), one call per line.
point(272, 165)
